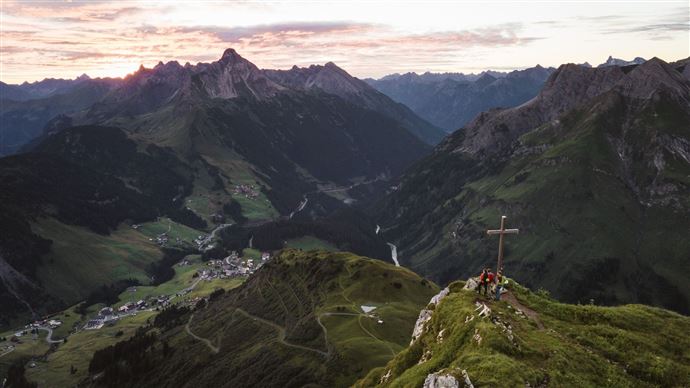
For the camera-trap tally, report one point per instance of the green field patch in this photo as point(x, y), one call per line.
point(174, 230)
point(81, 261)
point(241, 173)
point(79, 349)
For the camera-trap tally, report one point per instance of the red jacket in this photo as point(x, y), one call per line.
point(491, 277)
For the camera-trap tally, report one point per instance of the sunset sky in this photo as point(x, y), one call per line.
point(57, 39)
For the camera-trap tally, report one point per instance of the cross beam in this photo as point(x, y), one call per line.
point(501, 232)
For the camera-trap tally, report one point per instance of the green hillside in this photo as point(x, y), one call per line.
point(80, 260)
point(599, 194)
point(528, 339)
point(298, 321)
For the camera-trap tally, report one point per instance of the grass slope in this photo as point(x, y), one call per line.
point(297, 321)
point(81, 260)
point(550, 344)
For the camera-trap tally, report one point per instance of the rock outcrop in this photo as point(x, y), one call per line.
point(426, 314)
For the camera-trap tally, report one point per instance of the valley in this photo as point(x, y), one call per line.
point(217, 223)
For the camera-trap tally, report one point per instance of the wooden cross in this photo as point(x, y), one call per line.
point(501, 232)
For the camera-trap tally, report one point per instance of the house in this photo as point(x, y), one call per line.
point(141, 303)
point(93, 324)
point(106, 311)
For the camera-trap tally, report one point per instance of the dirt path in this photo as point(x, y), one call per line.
point(207, 342)
point(358, 315)
point(533, 315)
point(49, 336)
point(281, 334)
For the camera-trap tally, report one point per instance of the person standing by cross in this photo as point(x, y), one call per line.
point(501, 232)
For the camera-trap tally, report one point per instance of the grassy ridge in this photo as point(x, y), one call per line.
point(562, 346)
point(295, 322)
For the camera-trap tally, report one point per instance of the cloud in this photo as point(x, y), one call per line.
point(112, 38)
point(234, 34)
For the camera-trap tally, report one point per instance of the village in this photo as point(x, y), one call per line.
point(231, 267)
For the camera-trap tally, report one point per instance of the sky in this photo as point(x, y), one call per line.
point(64, 39)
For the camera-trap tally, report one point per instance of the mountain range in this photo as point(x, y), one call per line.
point(29, 107)
point(204, 144)
point(451, 100)
point(593, 171)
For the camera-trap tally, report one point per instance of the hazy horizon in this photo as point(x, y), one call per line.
point(44, 39)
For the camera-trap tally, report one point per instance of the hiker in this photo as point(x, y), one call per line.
point(483, 281)
point(499, 284)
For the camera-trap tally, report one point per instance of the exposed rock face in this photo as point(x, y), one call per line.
point(447, 380)
point(426, 314)
point(437, 380)
point(233, 76)
point(568, 88)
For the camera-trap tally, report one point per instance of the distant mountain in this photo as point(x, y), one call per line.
point(334, 80)
point(201, 145)
point(13, 92)
point(611, 61)
point(299, 321)
point(531, 340)
point(281, 124)
point(450, 100)
point(590, 171)
point(26, 111)
point(29, 107)
point(42, 89)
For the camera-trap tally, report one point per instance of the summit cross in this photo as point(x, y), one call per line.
point(501, 232)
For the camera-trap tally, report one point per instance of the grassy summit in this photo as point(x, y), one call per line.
point(529, 339)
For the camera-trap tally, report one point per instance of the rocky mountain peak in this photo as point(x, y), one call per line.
point(651, 76)
point(611, 61)
point(230, 55)
point(567, 88)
